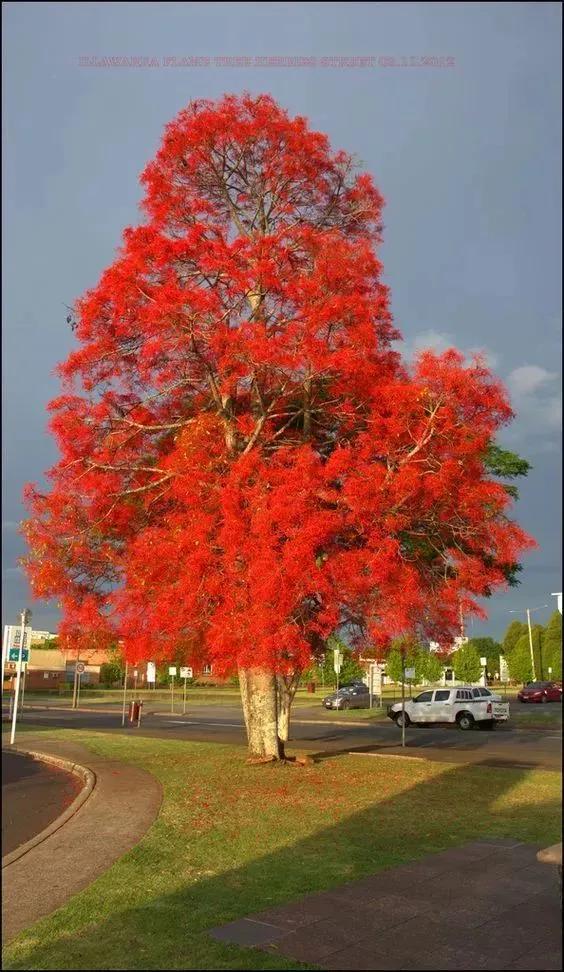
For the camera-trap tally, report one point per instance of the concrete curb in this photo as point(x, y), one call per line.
point(418, 759)
point(89, 780)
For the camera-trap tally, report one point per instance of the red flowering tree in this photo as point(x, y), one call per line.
point(246, 466)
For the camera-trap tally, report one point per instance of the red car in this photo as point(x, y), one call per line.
point(540, 692)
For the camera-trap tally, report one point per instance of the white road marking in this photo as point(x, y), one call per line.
point(183, 722)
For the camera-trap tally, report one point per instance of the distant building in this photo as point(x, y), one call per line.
point(40, 637)
point(50, 667)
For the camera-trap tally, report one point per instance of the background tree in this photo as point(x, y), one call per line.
point(395, 661)
point(515, 631)
point(466, 663)
point(490, 649)
point(552, 646)
point(428, 666)
point(113, 671)
point(537, 634)
point(245, 463)
point(350, 668)
point(519, 661)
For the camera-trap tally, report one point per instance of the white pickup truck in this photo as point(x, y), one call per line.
point(451, 705)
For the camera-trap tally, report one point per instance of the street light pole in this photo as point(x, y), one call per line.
point(531, 645)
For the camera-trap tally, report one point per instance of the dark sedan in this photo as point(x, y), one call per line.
point(355, 696)
point(540, 692)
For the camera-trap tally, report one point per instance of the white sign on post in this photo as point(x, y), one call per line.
point(337, 660)
point(186, 673)
point(172, 671)
point(483, 662)
point(11, 646)
point(503, 669)
point(151, 672)
point(410, 674)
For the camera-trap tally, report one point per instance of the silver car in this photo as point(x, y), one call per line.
point(354, 696)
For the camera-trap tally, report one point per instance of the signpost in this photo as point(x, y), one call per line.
point(25, 617)
point(80, 668)
point(11, 646)
point(172, 673)
point(484, 663)
point(185, 673)
point(337, 663)
point(151, 674)
point(403, 675)
point(124, 695)
point(375, 683)
point(135, 674)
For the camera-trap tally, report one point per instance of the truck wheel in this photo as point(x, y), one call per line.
point(400, 718)
point(465, 720)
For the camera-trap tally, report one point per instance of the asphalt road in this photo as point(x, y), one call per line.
point(224, 724)
point(33, 795)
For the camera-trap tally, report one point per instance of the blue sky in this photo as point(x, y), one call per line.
point(467, 157)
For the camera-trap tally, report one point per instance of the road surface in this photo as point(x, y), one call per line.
point(33, 795)
point(224, 724)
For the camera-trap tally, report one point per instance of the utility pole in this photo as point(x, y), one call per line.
point(529, 611)
point(531, 644)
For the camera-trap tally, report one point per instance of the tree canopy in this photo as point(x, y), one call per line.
point(552, 646)
point(245, 463)
point(466, 663)
point(490, 649)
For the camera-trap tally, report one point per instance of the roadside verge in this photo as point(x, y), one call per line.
point(118, 811)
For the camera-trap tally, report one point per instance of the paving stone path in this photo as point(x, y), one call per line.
point(487, 905)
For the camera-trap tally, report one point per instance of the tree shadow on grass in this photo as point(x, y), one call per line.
point(122, 922)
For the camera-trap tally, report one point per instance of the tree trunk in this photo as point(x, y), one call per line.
point(258, 695)
point(287, 686)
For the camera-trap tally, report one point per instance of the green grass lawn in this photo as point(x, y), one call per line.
point(233, 839)
point(537, 718)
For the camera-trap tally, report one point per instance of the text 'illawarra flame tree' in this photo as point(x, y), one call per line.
point(246, 464)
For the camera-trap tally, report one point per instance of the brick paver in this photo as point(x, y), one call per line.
point(487, 905)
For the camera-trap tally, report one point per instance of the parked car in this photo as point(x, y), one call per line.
point(485, 693)
point(353, 696)
point(540, 692)
point(454, 705)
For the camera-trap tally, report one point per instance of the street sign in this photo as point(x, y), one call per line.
point(410, 674)
point(13, 632)
point(13, 655)
point(172, 671)
point(151, 672)
point(483, 662)
point(503, 669)
point(186, 673)
point(337, 660)
point(80, 667)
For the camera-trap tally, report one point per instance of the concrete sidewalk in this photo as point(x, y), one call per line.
point(122, 806)
point(486, 905)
